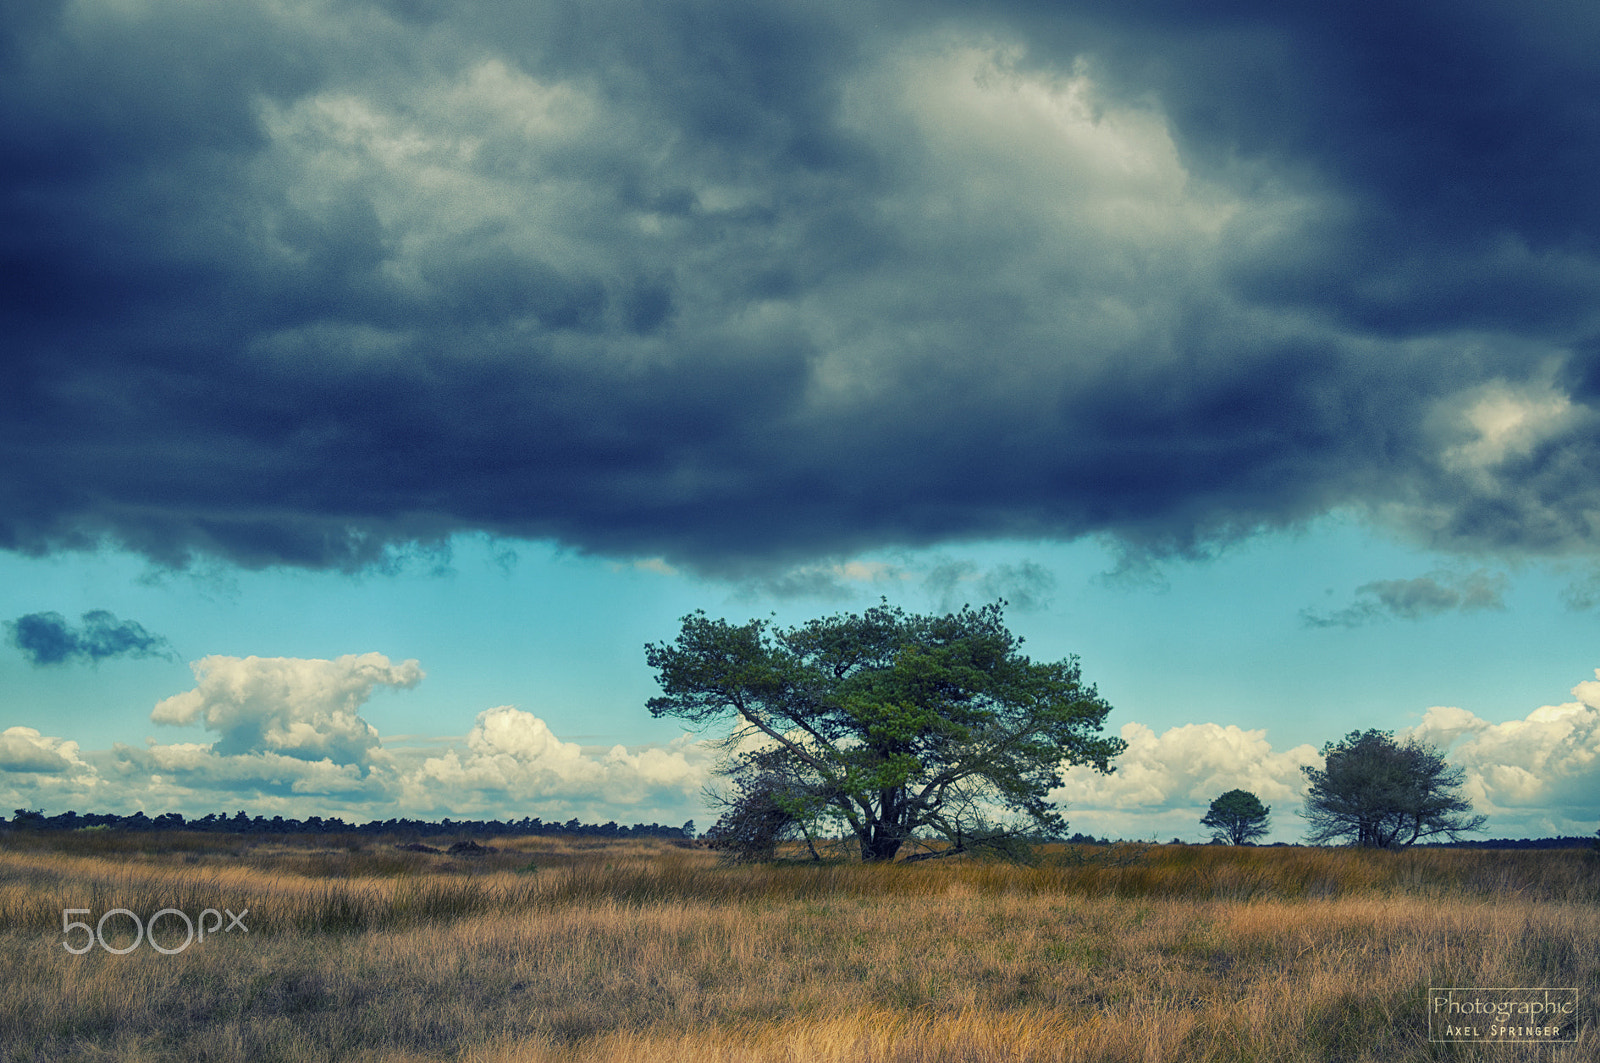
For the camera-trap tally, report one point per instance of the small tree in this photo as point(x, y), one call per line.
point(1238, 816)
point(768, 803)
point(1382, 794)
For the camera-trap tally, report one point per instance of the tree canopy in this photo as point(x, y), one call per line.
point(1384, 794)
point(1238, 816)
point(894, 724)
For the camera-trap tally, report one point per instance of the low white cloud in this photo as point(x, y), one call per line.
point(1537, 774)
point(1188, 764)
point(513, 755)
point(198, 770)
point(1164, 783)
point(297, 707)
point(24, 749)
point(293, 743)
point(45, 771)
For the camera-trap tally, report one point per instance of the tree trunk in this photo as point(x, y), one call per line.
point(879, 843)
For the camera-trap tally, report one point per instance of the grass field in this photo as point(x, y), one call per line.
point(557, 950)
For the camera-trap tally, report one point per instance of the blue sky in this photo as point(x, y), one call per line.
point(381, 376)
point(559, 636)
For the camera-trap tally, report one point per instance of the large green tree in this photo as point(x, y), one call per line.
point(1383, 794)
point(894, 723)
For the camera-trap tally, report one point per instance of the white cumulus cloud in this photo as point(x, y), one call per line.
point(45, 771)
point(24, 749)
point(1164, 783)
point(1540, 773)
point(1188, 764)
point(512, 754)
point(297, 707)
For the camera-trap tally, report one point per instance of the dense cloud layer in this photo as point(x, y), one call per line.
point(297, 282)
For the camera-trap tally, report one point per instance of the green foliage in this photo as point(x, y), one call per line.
point(893, 723)
point(1238, 816)
point(1383, 794)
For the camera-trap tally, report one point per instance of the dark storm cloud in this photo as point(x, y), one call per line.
point(752, 286)
point(47, 638)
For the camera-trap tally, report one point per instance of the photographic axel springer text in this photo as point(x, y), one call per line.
point(97, 932)
point(1527, 1014)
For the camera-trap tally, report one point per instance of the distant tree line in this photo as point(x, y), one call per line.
point(1575, 842)
point(242, 823)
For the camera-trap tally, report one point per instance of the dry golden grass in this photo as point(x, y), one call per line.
point(644, 952)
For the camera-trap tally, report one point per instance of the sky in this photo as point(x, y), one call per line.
point(380, 376)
